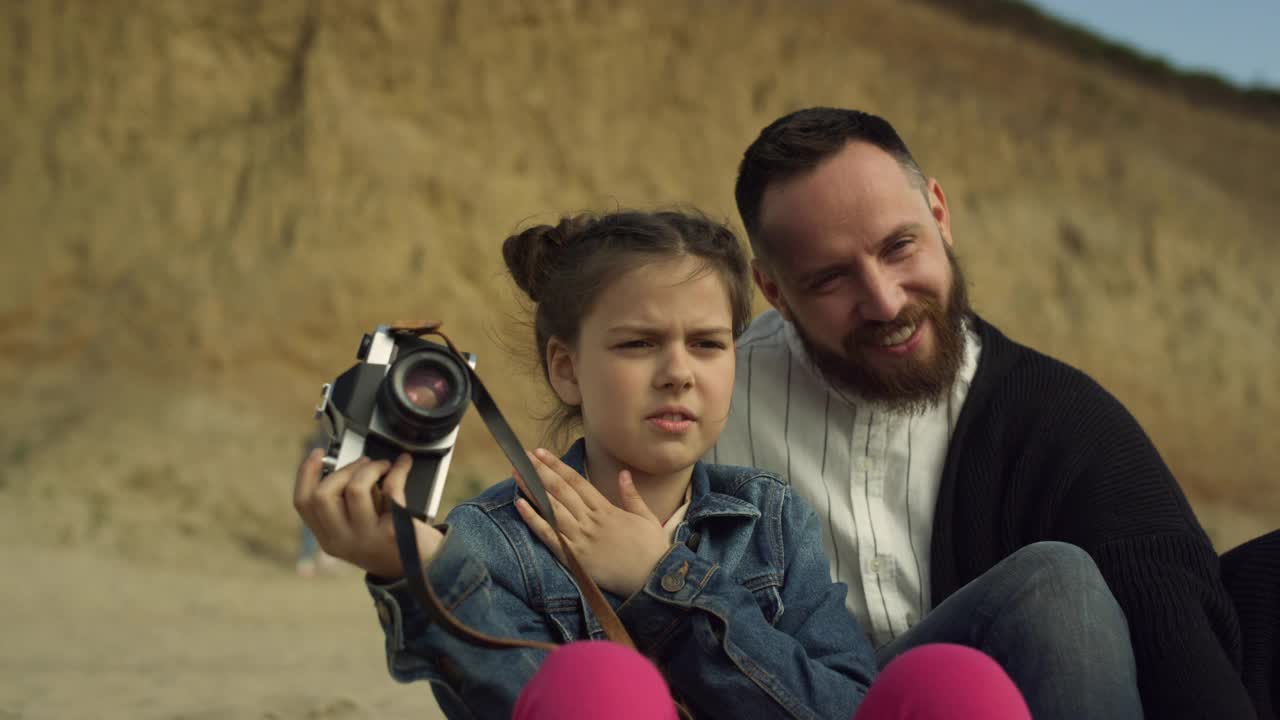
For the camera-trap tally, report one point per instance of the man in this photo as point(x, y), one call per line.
point(939, 452)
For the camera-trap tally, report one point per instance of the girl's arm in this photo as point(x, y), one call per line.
point(723, 656)
point(476, 577)
point(472, 569)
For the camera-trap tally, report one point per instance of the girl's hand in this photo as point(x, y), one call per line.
point(347, 512)
point(617, 546)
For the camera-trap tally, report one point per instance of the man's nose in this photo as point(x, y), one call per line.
point(882, 298)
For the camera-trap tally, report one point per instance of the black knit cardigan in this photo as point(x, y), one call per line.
point(1042, 452)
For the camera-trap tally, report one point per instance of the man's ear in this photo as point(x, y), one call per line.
point(562, 371)
point(769, 287)
point(938, 208)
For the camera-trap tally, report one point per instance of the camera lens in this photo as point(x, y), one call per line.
point(424, 394)
point(426, 387)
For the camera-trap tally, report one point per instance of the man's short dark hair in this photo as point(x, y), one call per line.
point(800, 141)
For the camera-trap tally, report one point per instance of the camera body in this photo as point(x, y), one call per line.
point(405, 394)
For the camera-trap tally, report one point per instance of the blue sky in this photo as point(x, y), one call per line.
point(1237, 39)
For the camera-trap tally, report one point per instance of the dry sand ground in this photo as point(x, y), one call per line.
point(206, 204)
point(89, 635)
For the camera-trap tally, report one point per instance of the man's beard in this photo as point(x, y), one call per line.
point(911, 385)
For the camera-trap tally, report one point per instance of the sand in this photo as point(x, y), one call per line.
point(88, 635)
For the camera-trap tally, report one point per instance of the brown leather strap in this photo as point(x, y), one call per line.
point(531, 487)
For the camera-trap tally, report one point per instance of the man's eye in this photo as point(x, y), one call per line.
point(631, 344)
point(711, 345)
point(824, 282)
point(900, 247)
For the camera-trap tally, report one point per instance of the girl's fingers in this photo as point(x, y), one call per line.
point(524, 488)
point(564, 519)
point(536, 523)
point(307, 480)
point(630, 497)
point(358, 497)
point(559, 489)
point(329, 508)
point(527, 496)
point(590, 497)
point(394, 483)
point(566, 523)
point(318, 503)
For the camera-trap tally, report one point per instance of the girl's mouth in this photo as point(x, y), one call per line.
point(671, 421)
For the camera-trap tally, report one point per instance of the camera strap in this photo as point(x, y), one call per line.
point(407, 545)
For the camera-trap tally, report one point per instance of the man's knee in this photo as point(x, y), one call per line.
point(1058, 563)
point(1060, 582)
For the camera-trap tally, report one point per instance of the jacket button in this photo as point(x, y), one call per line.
point(384, 613)
point(672, 582)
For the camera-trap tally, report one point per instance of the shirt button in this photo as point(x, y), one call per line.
point(672, 582)
point(875, 564)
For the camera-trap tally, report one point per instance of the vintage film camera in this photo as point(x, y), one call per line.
point(406, 394)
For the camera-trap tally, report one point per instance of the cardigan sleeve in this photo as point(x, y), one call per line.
point(1122, 505)
point(1042, 452)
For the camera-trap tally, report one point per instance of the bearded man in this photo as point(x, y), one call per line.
point(972, 490)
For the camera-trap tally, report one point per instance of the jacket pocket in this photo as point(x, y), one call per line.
point(565, 615)
point(767, 590)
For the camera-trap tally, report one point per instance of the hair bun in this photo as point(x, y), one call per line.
point(526, 255)
point(532, 254)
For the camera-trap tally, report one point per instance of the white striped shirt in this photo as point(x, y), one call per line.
point(871, 475)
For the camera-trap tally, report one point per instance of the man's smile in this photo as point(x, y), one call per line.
point(903, 340)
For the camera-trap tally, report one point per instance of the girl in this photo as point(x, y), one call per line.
point(717, 572)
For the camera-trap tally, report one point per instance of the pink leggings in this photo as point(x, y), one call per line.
point(932, 682)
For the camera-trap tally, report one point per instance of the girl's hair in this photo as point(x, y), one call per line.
point(563, 268)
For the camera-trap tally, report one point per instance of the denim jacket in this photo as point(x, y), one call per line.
point(754, 629)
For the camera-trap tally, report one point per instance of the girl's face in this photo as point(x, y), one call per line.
point(653, 367)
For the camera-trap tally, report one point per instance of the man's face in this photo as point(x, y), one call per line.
point(859, 259)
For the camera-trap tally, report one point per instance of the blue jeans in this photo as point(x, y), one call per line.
point(1046, 615)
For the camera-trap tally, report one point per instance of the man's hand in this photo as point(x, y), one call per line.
point(346, 512)
point(617, 546)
